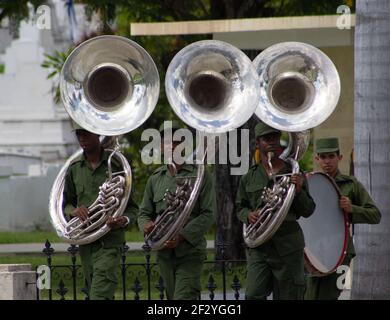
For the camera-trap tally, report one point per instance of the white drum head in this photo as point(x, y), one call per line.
point(325, 231)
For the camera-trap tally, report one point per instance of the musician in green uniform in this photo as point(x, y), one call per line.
point(101, 258)
point(276, 265)
point(181, 259)
point(355, 201)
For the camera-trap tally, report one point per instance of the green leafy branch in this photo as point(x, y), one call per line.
point(54, 64)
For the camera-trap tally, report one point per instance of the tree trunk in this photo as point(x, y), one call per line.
point(371, 274)
point(229, 228)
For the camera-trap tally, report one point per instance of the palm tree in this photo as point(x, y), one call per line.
point(371, 278)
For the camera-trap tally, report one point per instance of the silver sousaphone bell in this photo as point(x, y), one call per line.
point(109, 85)
point(212, 86)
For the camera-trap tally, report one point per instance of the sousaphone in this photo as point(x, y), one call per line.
point(299, 89)
point(109, 86)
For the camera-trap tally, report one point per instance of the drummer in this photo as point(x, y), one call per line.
point(355, 201)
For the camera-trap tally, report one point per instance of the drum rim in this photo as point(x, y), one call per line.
point(308, 264)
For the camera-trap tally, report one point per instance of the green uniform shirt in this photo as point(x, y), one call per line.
point(201, 217)
point(82, 184)
point(363, 207)
point(289, 237)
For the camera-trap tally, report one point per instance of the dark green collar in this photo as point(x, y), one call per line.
point(84, 162)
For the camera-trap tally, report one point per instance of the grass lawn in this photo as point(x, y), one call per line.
point(28, 237)
point(40, 236)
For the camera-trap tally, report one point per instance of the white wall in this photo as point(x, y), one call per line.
point(24, 200)
point(30, 122)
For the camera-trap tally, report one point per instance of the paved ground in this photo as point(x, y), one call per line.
point(345, 295)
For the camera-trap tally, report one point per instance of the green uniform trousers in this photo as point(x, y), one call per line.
point(181, 275)
point(100, 266)
point(322, 288)
point(325, 288)
point(268, 272)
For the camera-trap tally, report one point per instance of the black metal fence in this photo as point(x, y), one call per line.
point(221, 279)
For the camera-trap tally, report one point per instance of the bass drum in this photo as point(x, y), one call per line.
point(326, 231)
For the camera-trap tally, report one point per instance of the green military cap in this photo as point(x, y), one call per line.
point(326, 145)
point(170, 124)
point(262, 129)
